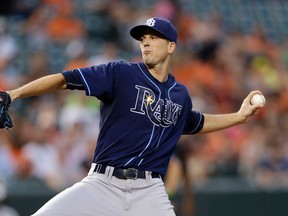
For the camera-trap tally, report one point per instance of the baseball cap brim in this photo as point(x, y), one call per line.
point(137, 31)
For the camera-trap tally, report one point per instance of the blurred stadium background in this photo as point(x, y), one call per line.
point(225, 49)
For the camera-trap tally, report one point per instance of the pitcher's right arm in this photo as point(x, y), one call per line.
point(41, 86)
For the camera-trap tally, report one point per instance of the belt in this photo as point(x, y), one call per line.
point(129, 173)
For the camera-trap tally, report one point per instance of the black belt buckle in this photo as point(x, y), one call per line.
point(130, 173)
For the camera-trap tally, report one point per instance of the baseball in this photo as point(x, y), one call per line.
point(258, 99)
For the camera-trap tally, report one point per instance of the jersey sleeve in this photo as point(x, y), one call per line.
point(97, 81)
point(194, 122)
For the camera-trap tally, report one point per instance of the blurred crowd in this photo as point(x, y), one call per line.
point(54, 136)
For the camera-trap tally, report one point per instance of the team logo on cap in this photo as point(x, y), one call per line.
point(151, 22)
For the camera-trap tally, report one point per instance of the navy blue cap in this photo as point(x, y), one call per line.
point(163, 26)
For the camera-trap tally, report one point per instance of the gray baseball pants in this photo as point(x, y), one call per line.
point(105, 195)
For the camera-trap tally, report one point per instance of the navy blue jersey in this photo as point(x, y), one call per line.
point(141, 118)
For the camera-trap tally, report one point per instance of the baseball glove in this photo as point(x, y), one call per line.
point(5, 101)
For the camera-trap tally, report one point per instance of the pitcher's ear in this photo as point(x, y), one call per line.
point(172, 47)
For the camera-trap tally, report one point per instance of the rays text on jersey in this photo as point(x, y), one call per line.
point(161, 112)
